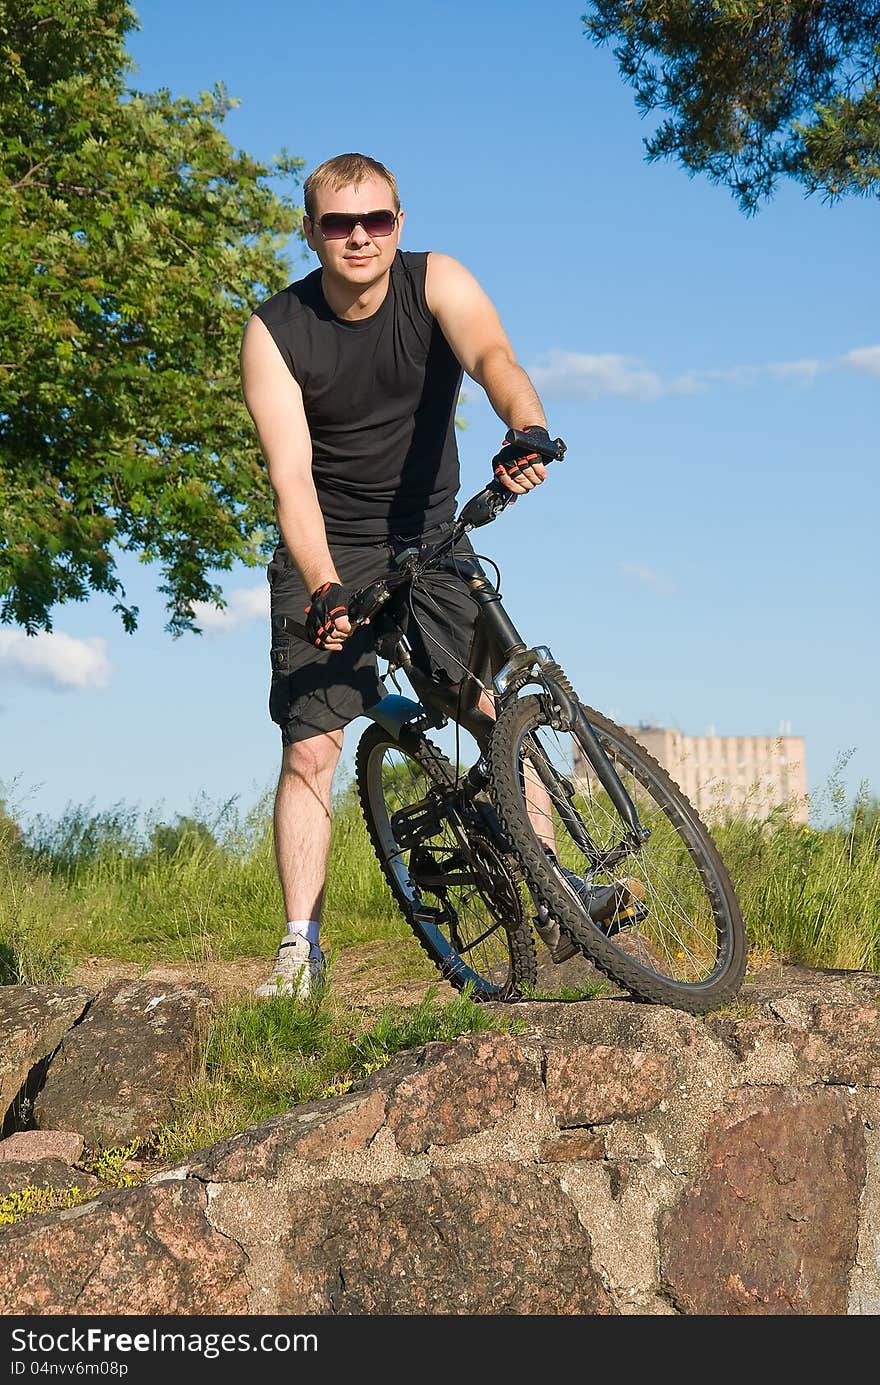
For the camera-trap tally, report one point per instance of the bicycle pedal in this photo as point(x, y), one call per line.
point(426, 915)
point(611, 902)
point(558, 944)
point(625, 918)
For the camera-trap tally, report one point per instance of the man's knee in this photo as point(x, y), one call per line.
point(314, 758)
point(486, 705)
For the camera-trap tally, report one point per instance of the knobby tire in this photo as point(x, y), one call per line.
point(652, 958)
point(513, 942)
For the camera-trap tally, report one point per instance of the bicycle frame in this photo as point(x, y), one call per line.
point(497, 649)
point(481, 828)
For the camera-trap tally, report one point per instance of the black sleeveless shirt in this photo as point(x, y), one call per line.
point(380, 396)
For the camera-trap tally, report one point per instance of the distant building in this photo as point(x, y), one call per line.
point(732, 774)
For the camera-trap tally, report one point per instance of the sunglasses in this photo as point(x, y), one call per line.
point(339, 225)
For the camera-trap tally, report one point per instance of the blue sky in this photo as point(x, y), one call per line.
point(706, 554)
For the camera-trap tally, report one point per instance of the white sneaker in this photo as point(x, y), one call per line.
point(298, 970)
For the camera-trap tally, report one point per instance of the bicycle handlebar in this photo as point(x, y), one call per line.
point(553, 451)
point(488, 503)
point(481, 509)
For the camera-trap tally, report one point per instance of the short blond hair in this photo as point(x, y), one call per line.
point(342, 171)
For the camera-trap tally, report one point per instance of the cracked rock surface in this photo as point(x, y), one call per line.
point(614, 1158)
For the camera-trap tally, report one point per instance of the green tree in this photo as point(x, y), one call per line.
point(134, 242)
point(755, 89)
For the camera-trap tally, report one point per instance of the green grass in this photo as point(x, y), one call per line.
point(204, 888)
point(200, 889)
point(809, 895)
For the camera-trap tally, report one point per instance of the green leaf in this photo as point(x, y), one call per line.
point(134, 244)
point(755, 90)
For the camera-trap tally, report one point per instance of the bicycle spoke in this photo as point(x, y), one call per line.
point(670, 925)
point(442, 872)
point(674, 925)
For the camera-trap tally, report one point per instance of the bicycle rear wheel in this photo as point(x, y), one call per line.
point(671, 930)
point(461, 895)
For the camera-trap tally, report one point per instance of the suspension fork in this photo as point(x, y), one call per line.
point(560, 793)
point(605, 771)
point(519, 664)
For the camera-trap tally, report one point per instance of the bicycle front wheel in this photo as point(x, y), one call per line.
point(461, 895)
point(660, 917)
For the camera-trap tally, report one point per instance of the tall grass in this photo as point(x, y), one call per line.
point(204, 887)
point(810, 895)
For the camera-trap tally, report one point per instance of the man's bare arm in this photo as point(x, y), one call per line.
point(274, 402)
point(473, 329)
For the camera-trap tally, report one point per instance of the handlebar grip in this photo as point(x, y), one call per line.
point(554, 451)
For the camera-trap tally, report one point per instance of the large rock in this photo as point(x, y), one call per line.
point(835, 1041)
point(613, 1158)
point(592, 1084)
point(65, 1145)
point(443, 1093)
point(33, 1021)
point(463, 1240)
point(116, 1075)
point(771, 1225)
point(147, 1250)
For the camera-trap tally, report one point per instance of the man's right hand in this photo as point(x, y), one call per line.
point(327, 623)
point(517, 469)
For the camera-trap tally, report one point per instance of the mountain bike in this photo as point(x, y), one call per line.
point(564, 827)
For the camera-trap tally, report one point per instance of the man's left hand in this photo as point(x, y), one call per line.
point(521, 471)
point(327, 624)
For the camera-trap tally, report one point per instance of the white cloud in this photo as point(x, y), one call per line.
point(865, 358)
point(54, 660)
point(693, 380)
point(649, 576)
point(242, 606)
point(576, 375)
point(572, 375)
point(795, 370)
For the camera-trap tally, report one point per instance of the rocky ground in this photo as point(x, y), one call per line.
point(611, 1158)
point(366, 976)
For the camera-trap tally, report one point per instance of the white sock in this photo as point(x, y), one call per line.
point(304, 928)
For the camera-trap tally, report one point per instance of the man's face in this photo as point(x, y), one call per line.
point(358, 259)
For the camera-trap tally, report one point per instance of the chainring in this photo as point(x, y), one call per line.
point(500, 883)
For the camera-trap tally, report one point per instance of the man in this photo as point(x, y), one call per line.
point(351, 376)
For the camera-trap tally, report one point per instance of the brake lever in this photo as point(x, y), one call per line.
point(485, 506)
point(488, 503)
point(364, 603)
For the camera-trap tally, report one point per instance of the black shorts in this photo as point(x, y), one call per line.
point(313, 690)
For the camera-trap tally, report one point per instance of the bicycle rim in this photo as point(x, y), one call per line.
point(673, 932)
point(457, 892)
